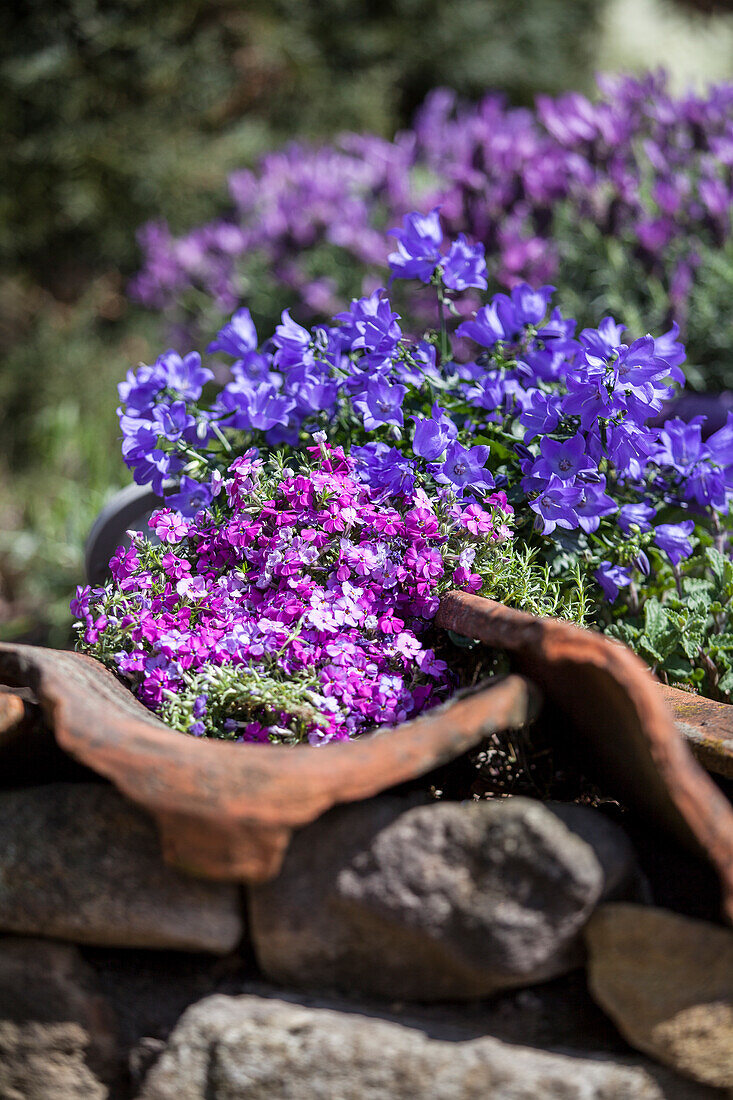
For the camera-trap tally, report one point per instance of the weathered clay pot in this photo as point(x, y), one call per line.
point(614, 713)
point(11, 715)
point(707, 727)
point(227, 811)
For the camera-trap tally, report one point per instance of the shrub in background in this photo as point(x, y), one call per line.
point(624, 202)
point(114, 110)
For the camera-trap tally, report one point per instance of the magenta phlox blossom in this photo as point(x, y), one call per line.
point(169, 526)
point(124, 563)
point(464, 578)
point(477, 520)
point(80, 603)
point(314, 579)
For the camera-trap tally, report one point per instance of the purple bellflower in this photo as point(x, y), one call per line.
point(418, 246)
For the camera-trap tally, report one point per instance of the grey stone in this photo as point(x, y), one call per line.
point(78, 862)
point(251, 1048)
point(438, 901)
point(40, 1061)
point(667, 983)
point(57, 1035)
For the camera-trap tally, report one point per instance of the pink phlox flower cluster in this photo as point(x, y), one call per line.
point(312, 577)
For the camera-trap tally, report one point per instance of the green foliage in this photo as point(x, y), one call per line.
point(60, 457)
point(686, 636)
point(258, 696)
point(408, 47)
point(709, 332)
point(520, 581)
point(110, 112)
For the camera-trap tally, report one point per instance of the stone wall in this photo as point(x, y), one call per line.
point(408, 949)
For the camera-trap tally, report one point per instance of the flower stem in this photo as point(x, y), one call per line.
point(444, 345)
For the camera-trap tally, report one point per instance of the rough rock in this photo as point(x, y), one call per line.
point(252, 1048)
point(667, 983)
point(39, 1061)
point(438, 901)
point(78, 862)
point(57, 1035)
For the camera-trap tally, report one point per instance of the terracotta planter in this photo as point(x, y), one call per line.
point(224, 810)
point(707, 727)
point(227, 811)
point(11, 715)
point(613, 712)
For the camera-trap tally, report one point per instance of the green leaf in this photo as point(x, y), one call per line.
point(692, 636)
point(625, 632)
point(721, 568)
point(659, 631)
point(646, 650)
point(725, 683)
point(463, 642)
point(501, 451)
point(698, 588)
point(677, 668)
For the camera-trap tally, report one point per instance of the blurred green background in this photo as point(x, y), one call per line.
point(115, 113)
